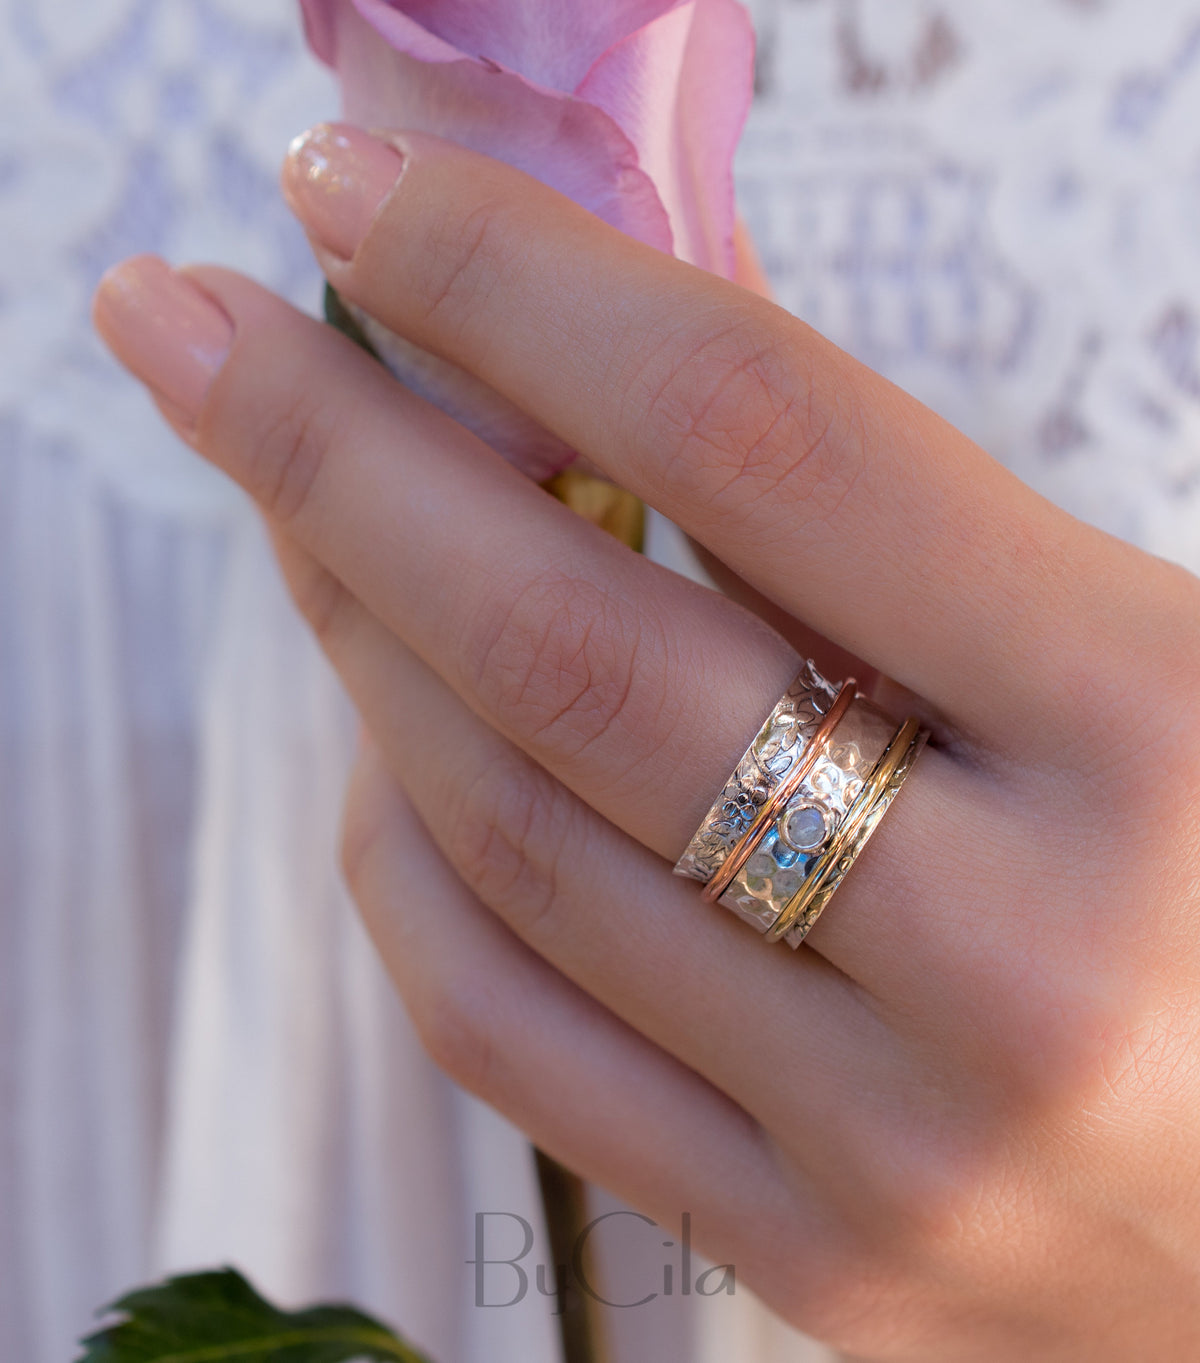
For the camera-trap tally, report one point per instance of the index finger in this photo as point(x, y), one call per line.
point(827, 488)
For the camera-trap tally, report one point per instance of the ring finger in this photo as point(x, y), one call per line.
point(597, 905)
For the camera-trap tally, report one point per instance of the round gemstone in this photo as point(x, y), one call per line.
point(804, 827)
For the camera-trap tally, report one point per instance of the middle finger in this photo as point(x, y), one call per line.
point(825, 487)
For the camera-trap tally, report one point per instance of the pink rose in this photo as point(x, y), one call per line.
point(633, 108)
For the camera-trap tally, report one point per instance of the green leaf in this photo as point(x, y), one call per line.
point(217, 1317)
point(338, 315)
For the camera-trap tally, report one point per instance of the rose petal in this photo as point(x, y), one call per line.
point(553, 43)
point(716, 91)
point(320, 28)
point(573, 146)
point(632, 108)
point(681, 89)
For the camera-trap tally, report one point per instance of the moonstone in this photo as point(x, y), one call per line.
point(804, 828)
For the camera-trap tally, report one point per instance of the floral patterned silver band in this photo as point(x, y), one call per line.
point(779, 744)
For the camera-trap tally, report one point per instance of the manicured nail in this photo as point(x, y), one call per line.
point(335, 178)
point(163, 330)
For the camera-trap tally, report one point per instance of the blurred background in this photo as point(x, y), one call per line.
point(200, 1061)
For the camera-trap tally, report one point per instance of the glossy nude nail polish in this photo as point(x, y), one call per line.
point(164, 330)
point(336, 178)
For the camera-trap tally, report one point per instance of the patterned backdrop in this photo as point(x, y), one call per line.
point(996, 203)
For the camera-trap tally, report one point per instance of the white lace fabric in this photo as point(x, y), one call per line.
point(997, 204)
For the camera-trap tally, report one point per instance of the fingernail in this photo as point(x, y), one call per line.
point(335, 178)
point(163, 330)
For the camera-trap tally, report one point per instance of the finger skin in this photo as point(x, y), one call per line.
point(584, 1087)
point(829, 490)
point(831, 661)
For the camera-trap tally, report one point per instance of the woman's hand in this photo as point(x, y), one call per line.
point(963, 1122)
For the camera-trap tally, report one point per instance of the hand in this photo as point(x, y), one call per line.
point(963, 1121)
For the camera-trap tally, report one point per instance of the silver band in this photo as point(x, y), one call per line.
point(779, 744)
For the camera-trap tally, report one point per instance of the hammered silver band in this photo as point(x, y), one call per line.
point(794, 845)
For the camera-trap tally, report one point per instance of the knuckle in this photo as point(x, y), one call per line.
point(561, 664)
point(320, 598)
point(507, 834)
point(741, 414)
point(456, 1011)
point(946, 1211)
point(1144, 1058)
point(460, 1023)
point(1174, 752)
point(966, 1175)
point(1132, 740)
point(942, 1176)
point(1116, 1043)
point(1136, 781)
point(288, 453)
point(466, 257)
